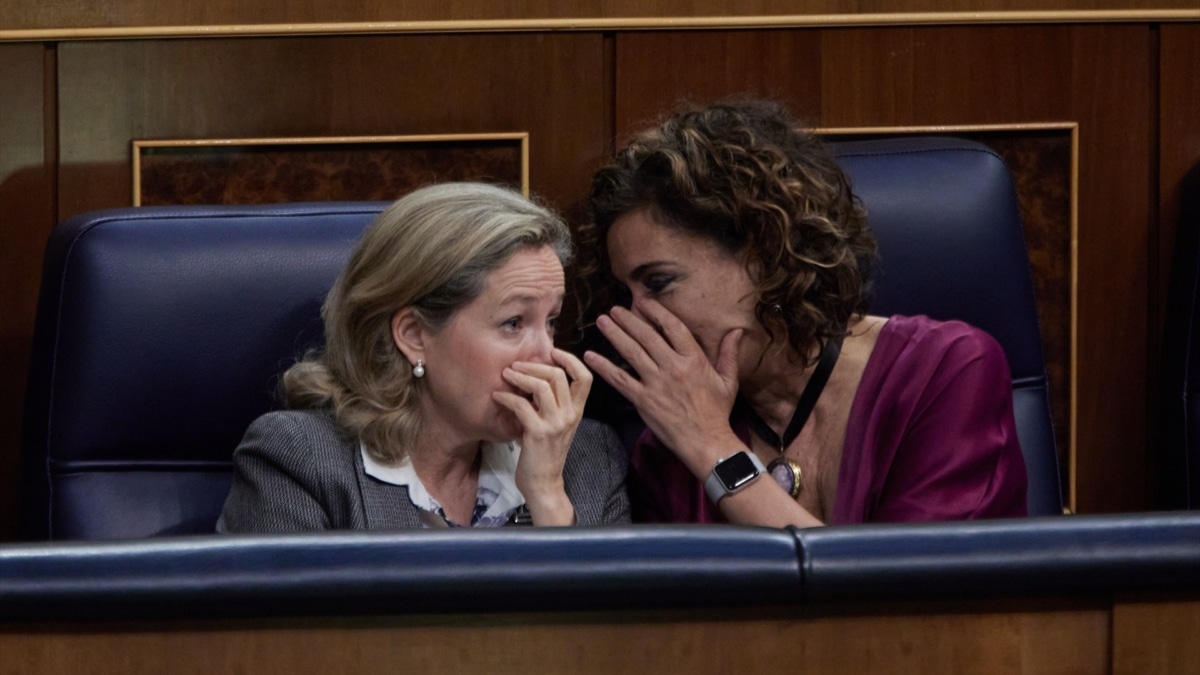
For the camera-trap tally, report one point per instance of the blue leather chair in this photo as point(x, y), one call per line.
point(951, 246)
point(160, 334)
point(161, 331)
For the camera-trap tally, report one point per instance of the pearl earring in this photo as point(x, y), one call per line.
point(419, 369)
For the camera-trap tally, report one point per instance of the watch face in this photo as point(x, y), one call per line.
point(735, 471)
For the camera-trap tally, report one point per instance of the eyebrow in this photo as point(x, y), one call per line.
point(642, 270)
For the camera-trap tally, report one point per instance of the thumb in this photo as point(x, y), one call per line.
point(727, 355)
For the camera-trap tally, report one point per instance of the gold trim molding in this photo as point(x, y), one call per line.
point(602, 24)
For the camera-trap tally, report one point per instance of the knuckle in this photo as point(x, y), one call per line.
point(676, 370)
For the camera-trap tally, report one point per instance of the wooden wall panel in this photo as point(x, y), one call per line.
point(656, 70)
point(1116, 222)
point(1155, 637)
point(977, 75)
point(114, 92)
point(1067, 637)
point(26, 218)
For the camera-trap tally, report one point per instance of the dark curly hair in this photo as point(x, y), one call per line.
point(745, 175)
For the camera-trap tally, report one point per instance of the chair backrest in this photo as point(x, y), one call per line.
point(951, 245)
point(160, 335)
point(1179, 422)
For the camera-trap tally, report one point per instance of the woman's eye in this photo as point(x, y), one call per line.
point(552, 325)
point(513, 324)
point(657, 283)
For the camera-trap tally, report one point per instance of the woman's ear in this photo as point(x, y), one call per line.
point(408, 334)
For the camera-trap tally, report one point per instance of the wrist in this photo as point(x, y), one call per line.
point(552, 508)
point(733, 473)
point(702, 454)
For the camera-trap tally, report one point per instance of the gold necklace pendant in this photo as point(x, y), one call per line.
point(787, 474)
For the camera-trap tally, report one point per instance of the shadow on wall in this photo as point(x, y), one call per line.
point(26, 219)
point(1178, 470)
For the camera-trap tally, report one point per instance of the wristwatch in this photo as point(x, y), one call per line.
point(732, 474)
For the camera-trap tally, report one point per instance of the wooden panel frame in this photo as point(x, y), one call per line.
point(227, 145)
point(1072, 280)
point(617, 18)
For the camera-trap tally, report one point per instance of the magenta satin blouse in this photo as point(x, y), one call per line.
point(930, 436)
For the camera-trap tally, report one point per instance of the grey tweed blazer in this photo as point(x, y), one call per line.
point(295, 472)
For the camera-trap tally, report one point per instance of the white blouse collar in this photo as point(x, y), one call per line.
point(497, 475)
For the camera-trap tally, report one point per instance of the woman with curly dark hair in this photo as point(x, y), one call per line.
point(750, 351)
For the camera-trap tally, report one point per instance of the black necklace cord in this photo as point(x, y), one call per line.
point(804, 407)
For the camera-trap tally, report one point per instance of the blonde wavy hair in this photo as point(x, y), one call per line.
point(432, 250)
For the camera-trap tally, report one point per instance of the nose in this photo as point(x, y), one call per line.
point(541, 347)
point(635, 306)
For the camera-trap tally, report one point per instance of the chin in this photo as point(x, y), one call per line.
point(507, 428)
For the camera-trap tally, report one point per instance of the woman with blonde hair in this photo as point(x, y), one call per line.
point(439, 399)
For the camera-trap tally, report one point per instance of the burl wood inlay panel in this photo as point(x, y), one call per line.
point(1040, 163)
point(306, 172)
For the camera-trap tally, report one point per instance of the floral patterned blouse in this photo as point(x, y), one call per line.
point(498, 502)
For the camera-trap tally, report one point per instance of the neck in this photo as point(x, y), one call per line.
point(441, 458)
point(773, 388)
point(451, 476)
point(805, 404)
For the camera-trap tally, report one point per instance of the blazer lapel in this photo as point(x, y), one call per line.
point(385, 506)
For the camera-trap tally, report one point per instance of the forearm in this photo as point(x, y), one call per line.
point(765, 504)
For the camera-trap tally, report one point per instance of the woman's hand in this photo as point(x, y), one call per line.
point(683, 397)
point(549, 419)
